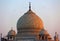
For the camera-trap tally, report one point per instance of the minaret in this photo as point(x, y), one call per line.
point(29, 6)
point(1, 36)
point(56, 38)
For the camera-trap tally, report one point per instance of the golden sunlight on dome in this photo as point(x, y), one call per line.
point(30, 19)
point(29, 24)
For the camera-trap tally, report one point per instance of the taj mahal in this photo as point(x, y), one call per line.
point(30, 27)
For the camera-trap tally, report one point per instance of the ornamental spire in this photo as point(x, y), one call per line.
point(29, 6)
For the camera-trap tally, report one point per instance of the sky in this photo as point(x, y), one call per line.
point(47, 10)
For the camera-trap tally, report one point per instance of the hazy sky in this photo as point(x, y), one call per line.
point(12, 10)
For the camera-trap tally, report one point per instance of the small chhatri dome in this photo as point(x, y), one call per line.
point(30, 21)
point(44, 32)
point(11, 32)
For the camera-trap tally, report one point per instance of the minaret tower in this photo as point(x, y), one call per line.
point(1, 36)
point(56, 38)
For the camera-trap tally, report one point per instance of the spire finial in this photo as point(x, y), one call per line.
point(29, 6)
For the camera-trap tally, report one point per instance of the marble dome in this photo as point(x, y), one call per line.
point(29, 22)
point(11, 32)
point(30, 19)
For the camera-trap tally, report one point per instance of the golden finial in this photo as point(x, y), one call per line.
point(29, 6)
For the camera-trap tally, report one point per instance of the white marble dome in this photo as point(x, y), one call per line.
point(11, 32)
point(30, 20)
